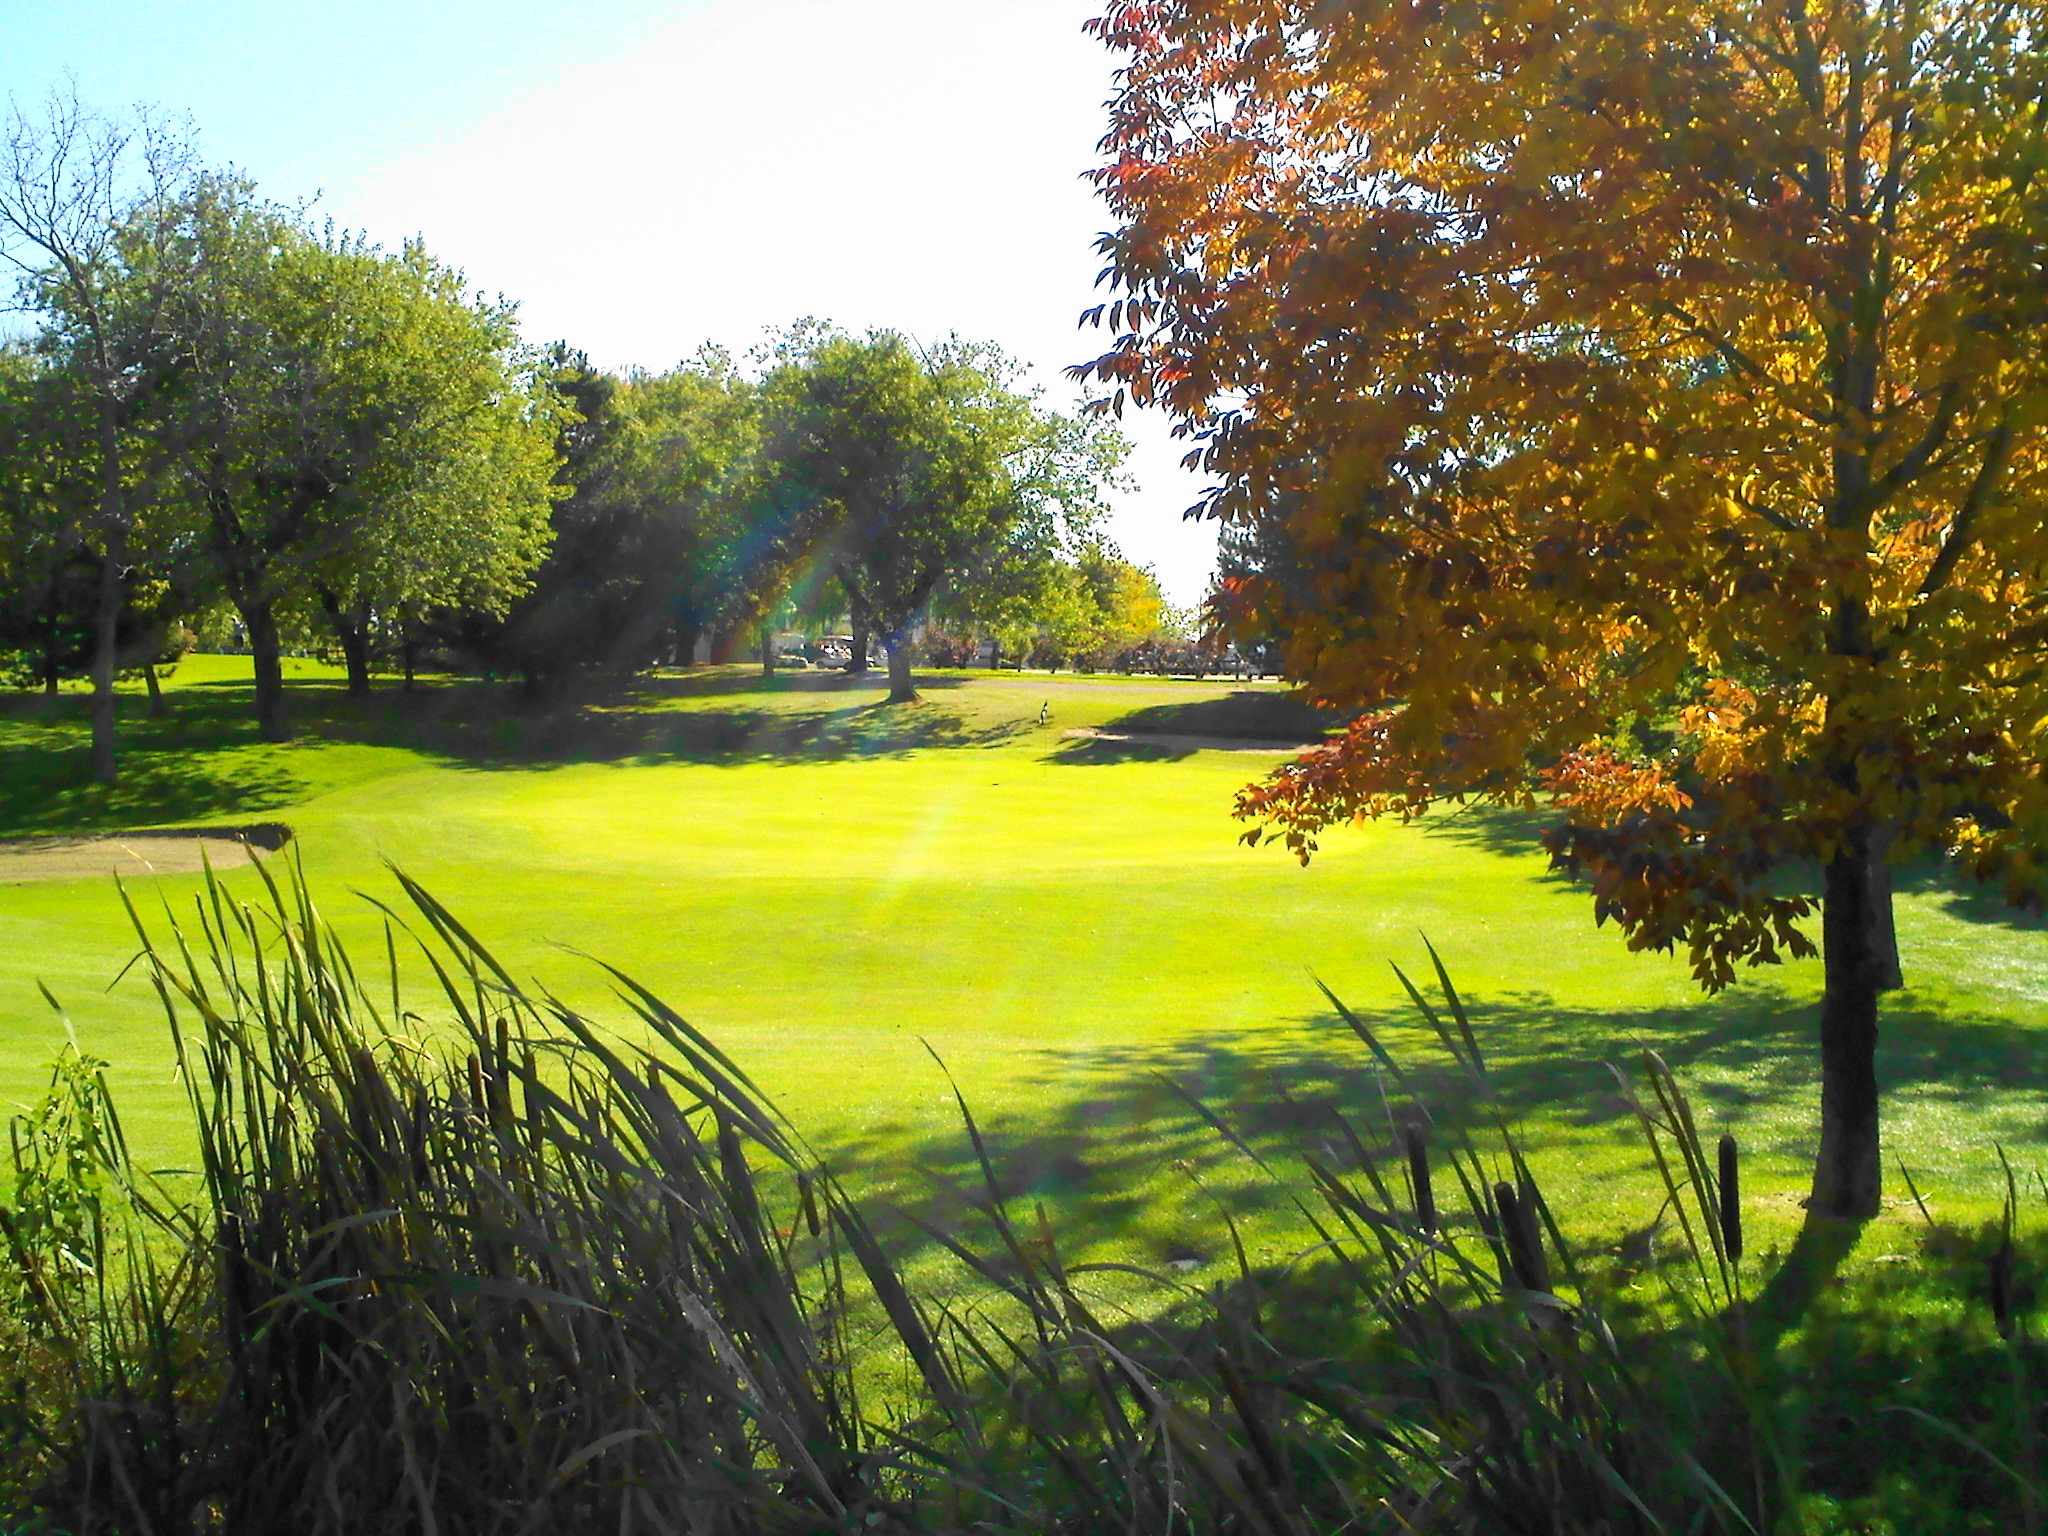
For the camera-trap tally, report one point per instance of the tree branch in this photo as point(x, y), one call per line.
point(1963, 529)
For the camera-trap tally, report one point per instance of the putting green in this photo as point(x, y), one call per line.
point(826, 885)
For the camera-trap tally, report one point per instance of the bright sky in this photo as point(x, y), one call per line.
point(646, 175)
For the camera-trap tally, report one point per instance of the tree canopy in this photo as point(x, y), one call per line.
point(355, 429)
point(1652, 402)
point(903, 470)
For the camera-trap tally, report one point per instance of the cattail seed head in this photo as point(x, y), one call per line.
point(2001, 1288)
point(1731, 1198)
point(1524, 1242)
point(1418, 1177)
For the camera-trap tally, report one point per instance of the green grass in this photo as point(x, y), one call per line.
point(826, 885)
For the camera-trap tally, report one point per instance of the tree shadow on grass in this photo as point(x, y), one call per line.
point(673, 684)
point(1493, 829)
point(204, 759)
point(1835, 1360)
point(1107, 1129)
point(1169, 732)
point(482, 726)
point(1098, 751)
point(1961, 895)
point(169, 773)
point(1246, 714)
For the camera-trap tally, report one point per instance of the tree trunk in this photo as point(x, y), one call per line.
point(157, 707)
point(105, 651)
point(1859, 953)
point(767, 651)
point(351, 628)
point(857, 653)
point(901, 689)
point(995, 654)
point(408, 654)
point(261, 619)
point(686, 644)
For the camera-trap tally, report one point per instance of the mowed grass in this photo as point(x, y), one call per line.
point(837, 890)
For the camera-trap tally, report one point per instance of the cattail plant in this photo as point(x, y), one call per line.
point(1729, 1203)
point(1417, 1147)
point(1518, 1231)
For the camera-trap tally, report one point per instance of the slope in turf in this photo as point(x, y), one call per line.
point(828, 884)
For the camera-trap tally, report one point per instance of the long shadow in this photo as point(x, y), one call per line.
point(1515, 834)
point(1250, 714)
point(1491, 829)
point(1097, 752)
point(1834, 1363)
point(1103, 1122)
point(1963, 896)
point(485, 726)
point(1816, 1256)
point(168, 772)
point(193, 764)
point(721, 684)
point(1169, 732)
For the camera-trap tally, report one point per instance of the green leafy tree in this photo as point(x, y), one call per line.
point(655, 537)
point(357, 428)
point(903, 472)
point(50, 571)
point(49, 493)
point(459, 487)
point(696, 468)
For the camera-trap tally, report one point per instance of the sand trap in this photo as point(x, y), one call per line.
point(1190, 743)
point(134, 855)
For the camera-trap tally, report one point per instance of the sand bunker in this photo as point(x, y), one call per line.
point(1189, 743)
point(133, 855)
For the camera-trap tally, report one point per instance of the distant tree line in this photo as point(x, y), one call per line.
point(226, 417)
point(920, 497)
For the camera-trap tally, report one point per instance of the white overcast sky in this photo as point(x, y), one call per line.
point(644, 176)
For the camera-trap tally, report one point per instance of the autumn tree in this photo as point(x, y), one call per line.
point(1130, 610)
point(1606, 362)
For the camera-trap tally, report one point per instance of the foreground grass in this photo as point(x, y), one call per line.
point(828, 885)
point(532, 1278)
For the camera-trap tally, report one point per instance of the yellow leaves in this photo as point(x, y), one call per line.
point(1559, 356)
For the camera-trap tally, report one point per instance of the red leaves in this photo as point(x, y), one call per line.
point(1668, 871)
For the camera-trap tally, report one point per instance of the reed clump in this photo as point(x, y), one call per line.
point(517, 1272)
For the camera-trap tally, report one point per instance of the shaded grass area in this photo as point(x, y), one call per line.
point(204, 761)
point(1125, 1143)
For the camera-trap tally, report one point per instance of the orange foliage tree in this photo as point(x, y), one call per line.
point(1601, 362)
